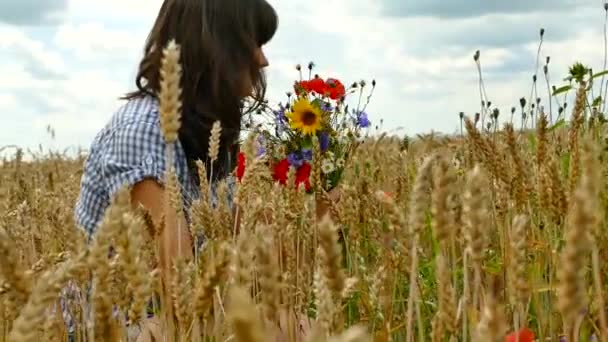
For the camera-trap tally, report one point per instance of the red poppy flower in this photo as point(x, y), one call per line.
point(525, 335)
point(240, 166)
point(281, 169)
point(301, 87)
point(335, 88)
point(303, 175)
point(317, 85)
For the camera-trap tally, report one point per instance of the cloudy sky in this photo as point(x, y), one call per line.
point(64, 63)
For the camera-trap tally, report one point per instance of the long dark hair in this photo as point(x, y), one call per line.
point(218, 40)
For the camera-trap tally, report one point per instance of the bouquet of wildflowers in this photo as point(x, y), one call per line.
point(314, 132)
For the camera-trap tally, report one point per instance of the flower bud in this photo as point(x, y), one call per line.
point(298, 67)
point(476, 56)
point(311, 65)
point(542, 32)
point(522, 102)
point(461, 114)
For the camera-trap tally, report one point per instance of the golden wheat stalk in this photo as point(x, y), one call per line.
point(170, 92)
point(582, 222)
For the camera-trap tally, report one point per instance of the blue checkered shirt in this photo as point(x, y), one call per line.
point(129, 149)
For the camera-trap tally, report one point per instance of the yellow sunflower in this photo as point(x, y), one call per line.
point(305, 117)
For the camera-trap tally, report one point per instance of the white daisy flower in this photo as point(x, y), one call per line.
point(340, 163)
point(327, 166)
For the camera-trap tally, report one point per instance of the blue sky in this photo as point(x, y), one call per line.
point(64, 63)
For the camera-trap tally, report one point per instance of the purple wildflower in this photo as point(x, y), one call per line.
point(323, 141)
point(297, 159)
point(280, 113)
point(280, 119)
point(363, 120)
point(294, 159)
point(307, 155)
point(326, 106)
point(261, 146)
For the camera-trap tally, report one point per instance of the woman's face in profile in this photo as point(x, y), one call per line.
point(262, 62)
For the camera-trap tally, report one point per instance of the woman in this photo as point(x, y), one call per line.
point(222, 60)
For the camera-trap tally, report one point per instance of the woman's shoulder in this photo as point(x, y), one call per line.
point(131, 146)
point(137, 111)
point(134, 123)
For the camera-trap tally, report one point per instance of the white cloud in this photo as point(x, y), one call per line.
point(95, 41)
point(8, 102)
point(32, 12)
point(468, 8)
point(140, 13)
point(35, 57)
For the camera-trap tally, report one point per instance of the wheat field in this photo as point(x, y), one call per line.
point(467, 237)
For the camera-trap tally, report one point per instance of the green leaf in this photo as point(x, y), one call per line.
point(597, 101)
point(532, 140)
point(316, 102)
point(307, 142)
point(578, 71)
point(562, 89)
point(600, 74)
point(558, 124)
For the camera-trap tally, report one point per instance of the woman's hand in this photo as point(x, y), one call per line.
point(325, 203)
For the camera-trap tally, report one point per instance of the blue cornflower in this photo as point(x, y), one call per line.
point(326, 106)
point(324, 141)
point(261, 146)
point(297, 159)
point(307, 154)
point(294, 159)
point(280, 119)
point(363, 120)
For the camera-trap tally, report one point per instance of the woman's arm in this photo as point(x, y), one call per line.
point(175, 240)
